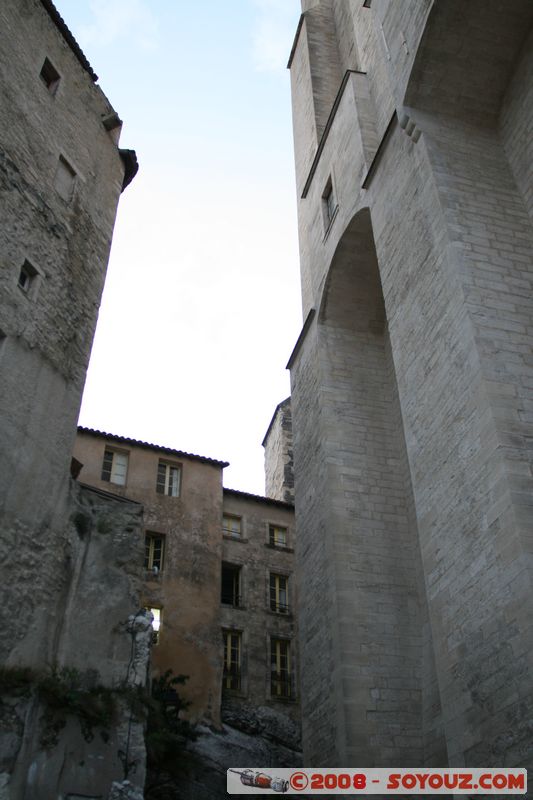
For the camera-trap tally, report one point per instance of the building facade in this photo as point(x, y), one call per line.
point(259, 600)
point(218, 575)
point(61, 176)
point(411, 381)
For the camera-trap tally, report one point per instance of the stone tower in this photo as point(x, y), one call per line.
point(70, 557)
point(279, 466)
point(411, 381)
point(61, 175)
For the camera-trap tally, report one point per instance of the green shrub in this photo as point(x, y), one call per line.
point(167, 734)
point(67, 692)
point(16, 681)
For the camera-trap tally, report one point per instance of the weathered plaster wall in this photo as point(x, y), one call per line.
point(188, 587)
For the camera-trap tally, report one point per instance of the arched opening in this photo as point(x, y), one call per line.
point(467, 56)
point(352, 297)
point(381, 633)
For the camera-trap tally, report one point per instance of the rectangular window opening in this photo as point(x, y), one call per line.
point(279, 593)
point(156, 622)
point(50, 76)
point(232, 660)
point(154, 552)
point(232, 526)
point(277, 536)
point(231, 585)
point(280, 668)
point(27, 277)
point(115, 467)
point(168, 479)
point(329, 203)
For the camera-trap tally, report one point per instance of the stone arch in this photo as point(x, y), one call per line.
point(368, 522)
point(352, 296)
point(467, 56)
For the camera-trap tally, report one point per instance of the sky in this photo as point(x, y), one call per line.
point(201, 307)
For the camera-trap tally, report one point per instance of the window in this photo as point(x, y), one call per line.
point(27, 277)
point(115, 467)
point(168, 479)
point(329, 204)
point(156, 623)
point(232, 660)
point(50, 76)
point(64, 179)
point(279, 593)
point(231, 585)
point(232, 526)
point(154, 551)
point(277, 536)
point(280, 668)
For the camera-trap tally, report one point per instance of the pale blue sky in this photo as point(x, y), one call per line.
point(202, 304)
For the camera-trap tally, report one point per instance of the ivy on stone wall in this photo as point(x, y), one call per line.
point(67, 692)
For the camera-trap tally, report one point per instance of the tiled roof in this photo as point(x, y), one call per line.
point(257, 498)
point(149, 446)
point(59, 22)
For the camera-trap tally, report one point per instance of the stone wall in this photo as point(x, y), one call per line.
point(70, 560)
point(254, 619)
point(45, 749)
point(279, 462)
point(516, 124)
point(444, 482)
point(187, 586)
point(47, 326)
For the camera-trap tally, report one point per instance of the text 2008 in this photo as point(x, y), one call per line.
point(330, 780)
